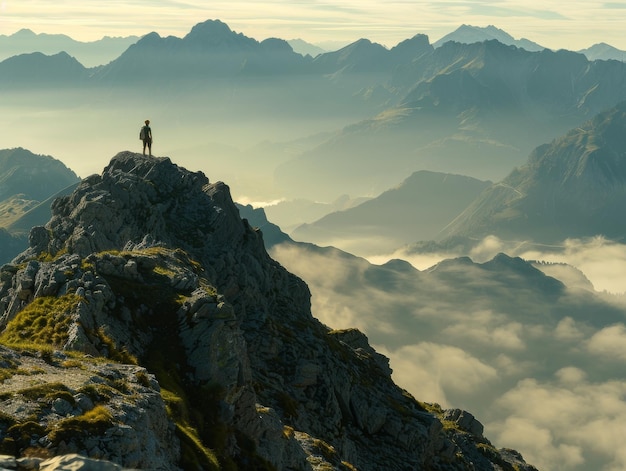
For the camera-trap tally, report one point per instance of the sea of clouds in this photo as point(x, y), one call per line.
point(540, 362)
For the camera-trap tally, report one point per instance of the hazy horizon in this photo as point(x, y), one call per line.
point(556, 25)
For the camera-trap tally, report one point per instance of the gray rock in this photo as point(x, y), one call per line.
point(465, 421)
point(74, 462)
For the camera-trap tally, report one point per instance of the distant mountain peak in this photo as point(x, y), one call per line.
point(23, 33)
point(467, 34)
point(603, 51)
point(210, 32)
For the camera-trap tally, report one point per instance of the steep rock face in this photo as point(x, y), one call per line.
point(150, 263)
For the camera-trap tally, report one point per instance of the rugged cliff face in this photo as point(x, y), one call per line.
point(147, 325)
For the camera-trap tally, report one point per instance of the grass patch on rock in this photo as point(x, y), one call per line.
point(44, 321)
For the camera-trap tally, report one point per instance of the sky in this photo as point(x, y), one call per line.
point(556, 24)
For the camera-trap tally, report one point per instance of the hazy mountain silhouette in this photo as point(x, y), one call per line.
point(289, 214)
point(303, 47)
point(90, 54)
point(603, 51)
point(37, 69)
point(573, 187)
point(364, 56)
point(210, 49)
point(468, 34)
point(476, 109)
point(417, 209)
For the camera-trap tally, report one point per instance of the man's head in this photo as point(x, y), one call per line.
point(147, 121)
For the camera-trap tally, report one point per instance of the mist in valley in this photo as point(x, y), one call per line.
point(237, 134)
point(531, 348)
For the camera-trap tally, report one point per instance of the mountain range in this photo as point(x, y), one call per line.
point(103, 51)
point(475, 109)
point(90, 54)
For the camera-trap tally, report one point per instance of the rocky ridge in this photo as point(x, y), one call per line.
point(177, 342)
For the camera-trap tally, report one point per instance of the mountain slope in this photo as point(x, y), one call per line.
point(26, 180)
point(168, 276)
point(573, 187)
point(418, 209)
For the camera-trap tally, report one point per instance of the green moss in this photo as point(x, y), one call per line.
point(143, 379)
point(433, 408)
point(120, 355)
point(194, 454)
point(22, 433)
point(348, 466)
point(450, 425)
point(94, 422)
point(6, 420)
point(44, 321)
point(49, 257)
point(43, 392)
point(6, 373)
point(73, 363)
point(98, 392)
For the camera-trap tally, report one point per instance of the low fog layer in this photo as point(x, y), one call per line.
point(234, 134)
point(539, 361)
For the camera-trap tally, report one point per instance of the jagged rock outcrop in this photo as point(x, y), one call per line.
point(150, 264)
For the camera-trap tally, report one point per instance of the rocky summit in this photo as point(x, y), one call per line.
point(146, 327)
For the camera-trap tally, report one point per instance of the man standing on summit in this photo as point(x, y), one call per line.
point(146, 136)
